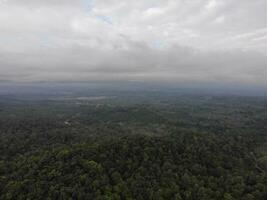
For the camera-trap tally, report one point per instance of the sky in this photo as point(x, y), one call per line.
point(195, 41)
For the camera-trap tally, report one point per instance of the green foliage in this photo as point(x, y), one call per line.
point(175, 149)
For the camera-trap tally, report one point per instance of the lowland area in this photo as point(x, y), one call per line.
point(143, 144)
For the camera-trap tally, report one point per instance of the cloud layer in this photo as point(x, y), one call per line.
point(174, 40)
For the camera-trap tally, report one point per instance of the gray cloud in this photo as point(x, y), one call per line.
point(174, 40)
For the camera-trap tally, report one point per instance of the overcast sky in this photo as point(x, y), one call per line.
point(170, 40)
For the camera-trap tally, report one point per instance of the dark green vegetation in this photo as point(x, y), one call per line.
point(134, 146)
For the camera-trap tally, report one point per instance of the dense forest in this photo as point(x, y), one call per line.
point(127, 146)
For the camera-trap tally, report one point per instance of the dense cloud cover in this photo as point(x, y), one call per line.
point(174, 40)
